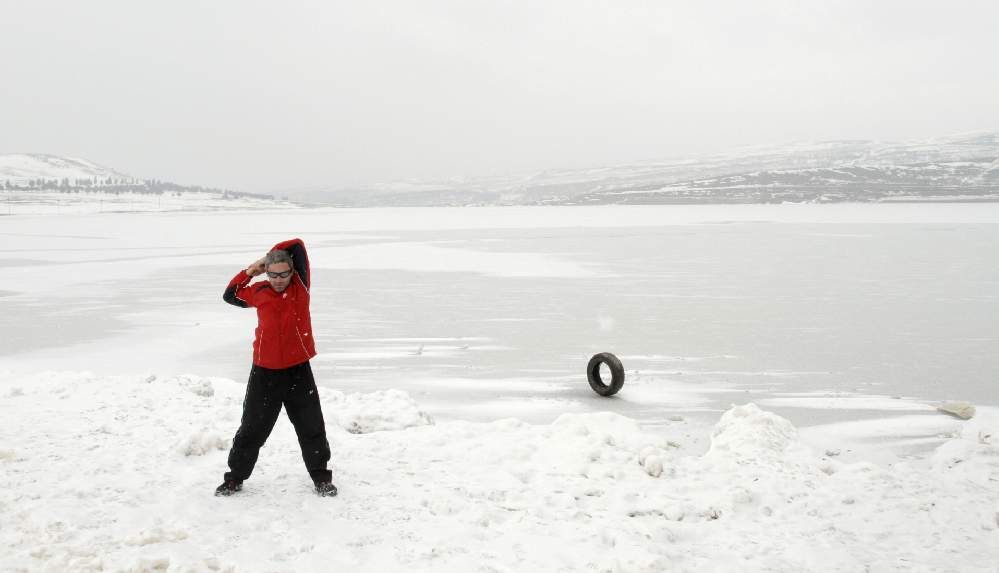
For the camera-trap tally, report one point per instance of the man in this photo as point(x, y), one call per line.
point(281, 373)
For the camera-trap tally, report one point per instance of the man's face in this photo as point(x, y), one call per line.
point(274, 277)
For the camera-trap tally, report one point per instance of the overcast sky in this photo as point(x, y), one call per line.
point(274, 96)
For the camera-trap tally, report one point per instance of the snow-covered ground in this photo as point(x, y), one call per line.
point(452, 344)
point(57, 203)
point(115, 472)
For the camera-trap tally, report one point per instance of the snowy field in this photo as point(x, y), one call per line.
point(57, 203)
point(783, 363)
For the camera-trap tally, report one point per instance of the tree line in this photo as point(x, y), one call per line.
point(116, 185)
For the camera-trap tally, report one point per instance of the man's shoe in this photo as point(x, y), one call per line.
point(325, 489)
point(229, 487)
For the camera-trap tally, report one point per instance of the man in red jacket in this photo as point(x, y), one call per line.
point(281, 373)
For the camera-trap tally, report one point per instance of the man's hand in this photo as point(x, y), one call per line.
point(256, 267)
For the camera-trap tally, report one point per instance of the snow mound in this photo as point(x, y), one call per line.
point(652, 463)
point(374, 412)
point(599, 423)
point(196, 385)
point(749, 434)
point(156, 535)
point(605, 428)
point(203, 442)
point(973, 454)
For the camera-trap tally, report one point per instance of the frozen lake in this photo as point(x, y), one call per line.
point(819, 312)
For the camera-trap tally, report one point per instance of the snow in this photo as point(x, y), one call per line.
point(94, 202)
point(116, 473)
point(464, 435)
point(385, 410)
point(17, 167)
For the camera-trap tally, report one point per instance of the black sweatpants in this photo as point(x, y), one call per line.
point(266, 391)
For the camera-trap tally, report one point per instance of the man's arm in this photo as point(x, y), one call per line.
point(238, 292)
point(299, 257)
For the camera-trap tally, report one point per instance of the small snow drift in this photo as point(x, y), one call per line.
point(204, 442)
point(749, 433)
point(374, 412)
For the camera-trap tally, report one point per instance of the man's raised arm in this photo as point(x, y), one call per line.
point(299, 257)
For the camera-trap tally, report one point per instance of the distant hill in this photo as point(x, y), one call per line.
point(18, 168)
point(960, 168)
point(34, 172)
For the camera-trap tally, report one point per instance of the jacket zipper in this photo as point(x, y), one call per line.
point(300, 341)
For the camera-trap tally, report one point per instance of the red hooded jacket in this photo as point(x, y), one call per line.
point(284, 336)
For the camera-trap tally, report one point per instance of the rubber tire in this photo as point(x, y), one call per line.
point(593, 374)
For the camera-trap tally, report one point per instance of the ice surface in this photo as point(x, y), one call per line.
point(857, 302)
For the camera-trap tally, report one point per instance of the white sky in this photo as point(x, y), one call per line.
point(272, 96)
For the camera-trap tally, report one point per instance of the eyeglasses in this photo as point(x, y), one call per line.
point(281, 275)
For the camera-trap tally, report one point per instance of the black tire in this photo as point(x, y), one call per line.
point(593, 374)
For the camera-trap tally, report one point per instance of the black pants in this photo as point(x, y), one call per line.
point(266, 391)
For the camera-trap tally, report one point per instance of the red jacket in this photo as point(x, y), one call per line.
point(284, 334)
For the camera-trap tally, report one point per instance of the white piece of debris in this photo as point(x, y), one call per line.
point(963, 410)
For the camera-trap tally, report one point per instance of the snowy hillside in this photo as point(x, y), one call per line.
point(967, 180)
point(17, 168)
point(960, 167)
point(42, 184)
